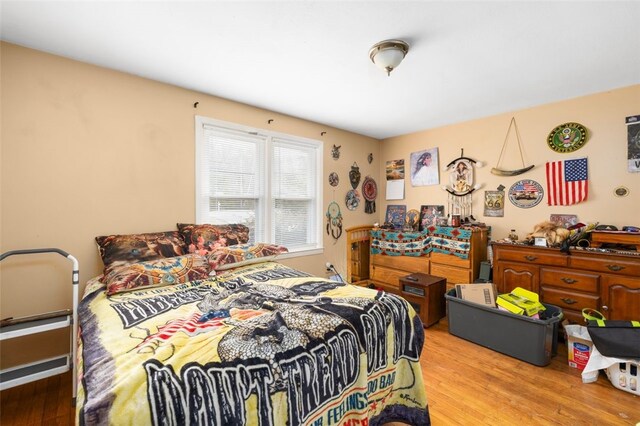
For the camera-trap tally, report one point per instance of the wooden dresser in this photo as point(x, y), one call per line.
point(386, 271)
point(606, 281)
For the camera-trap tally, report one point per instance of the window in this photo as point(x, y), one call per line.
point(265, 180)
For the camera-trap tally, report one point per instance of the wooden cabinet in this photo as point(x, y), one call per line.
point(512, 275)
point(358, 246)
point(606, 281)
point(426, 295)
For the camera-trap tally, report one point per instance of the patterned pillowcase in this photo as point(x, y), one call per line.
point(155, 273)
point(243, 254)
point(205, 238)
point(118, 250)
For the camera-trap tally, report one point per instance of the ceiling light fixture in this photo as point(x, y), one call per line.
point(388, 54)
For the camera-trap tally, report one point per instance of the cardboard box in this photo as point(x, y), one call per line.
point(521, 302)
point(482, 294)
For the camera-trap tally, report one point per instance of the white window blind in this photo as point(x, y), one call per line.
point(267, 181)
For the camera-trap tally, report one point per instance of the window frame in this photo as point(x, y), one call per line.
point(266, 173)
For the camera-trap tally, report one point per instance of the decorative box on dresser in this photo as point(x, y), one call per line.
point(604, 280)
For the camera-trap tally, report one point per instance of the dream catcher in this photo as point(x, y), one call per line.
point(461, 186)
point(369, 192)
point(334, 220)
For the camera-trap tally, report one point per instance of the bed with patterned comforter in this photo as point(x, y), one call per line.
point(262, 344)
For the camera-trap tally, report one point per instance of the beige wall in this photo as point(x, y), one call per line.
point(88, 151)
point(602, 114)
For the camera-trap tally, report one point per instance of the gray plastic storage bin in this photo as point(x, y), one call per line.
point(531, 340)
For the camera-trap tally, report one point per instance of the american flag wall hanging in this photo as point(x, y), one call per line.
point(567, 182)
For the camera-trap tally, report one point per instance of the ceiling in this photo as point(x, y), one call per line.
point(309, 59)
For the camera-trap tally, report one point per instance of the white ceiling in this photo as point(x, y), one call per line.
point(309, 59)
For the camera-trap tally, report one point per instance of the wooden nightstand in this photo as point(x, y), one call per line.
point(426, 295)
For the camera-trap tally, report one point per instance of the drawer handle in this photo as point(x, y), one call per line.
point(530, 258)
point(615, 268)
point(568, 301)
point(569, 280)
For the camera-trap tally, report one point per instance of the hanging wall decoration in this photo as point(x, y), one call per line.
point(352, 199)
point(369, 192)
point(567, 137)
point(526, 193)
point(370, 157)
point(335, 152)
point(334, 220)
point(334, 180)
point(494, 203)
point(354, 175)
point(501, 172)
point(633, 143)
point(461, 186)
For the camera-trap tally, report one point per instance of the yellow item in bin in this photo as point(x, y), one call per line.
point(521, 302)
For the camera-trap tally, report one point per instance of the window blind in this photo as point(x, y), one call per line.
point(267, 182)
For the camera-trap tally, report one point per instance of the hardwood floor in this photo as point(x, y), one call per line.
point(466, 384)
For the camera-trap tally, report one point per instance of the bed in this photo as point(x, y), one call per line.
point(259, 343)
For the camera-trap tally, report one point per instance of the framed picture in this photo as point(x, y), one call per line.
point(429, 215)
point(424, 167)
point(396, 215)
point(564, 220)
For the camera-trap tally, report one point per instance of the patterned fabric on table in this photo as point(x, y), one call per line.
point(155, 273)
point(205, 238)
point(449, 240)
point(243, 254)
point(397, 243)
point(119, 250)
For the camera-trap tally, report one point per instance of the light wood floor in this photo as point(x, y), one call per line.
point(466, 385)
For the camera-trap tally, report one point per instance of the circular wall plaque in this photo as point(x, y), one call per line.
point(621, 191)
point(567, 137)
point(333, 179)
point(526, 193)
point(352, 199)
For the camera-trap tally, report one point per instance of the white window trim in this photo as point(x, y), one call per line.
point(201, 121)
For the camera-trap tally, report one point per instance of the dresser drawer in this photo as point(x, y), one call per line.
point(452, 274)
point(612, 265)
point(404, 263)
point(388, 276)
point(564, 278)
point(539, 257)
point(569, 299)
point(451, 260)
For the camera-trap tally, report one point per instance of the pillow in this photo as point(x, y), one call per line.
point(243, 254)
point(205, 238)
point(118, 250)
point(155, 273)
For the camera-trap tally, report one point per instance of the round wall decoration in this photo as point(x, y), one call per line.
point(352, 199)
point(526, 193)
point(621, 191)
point(567, 137)
point(369, 192)
point(334, 180)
